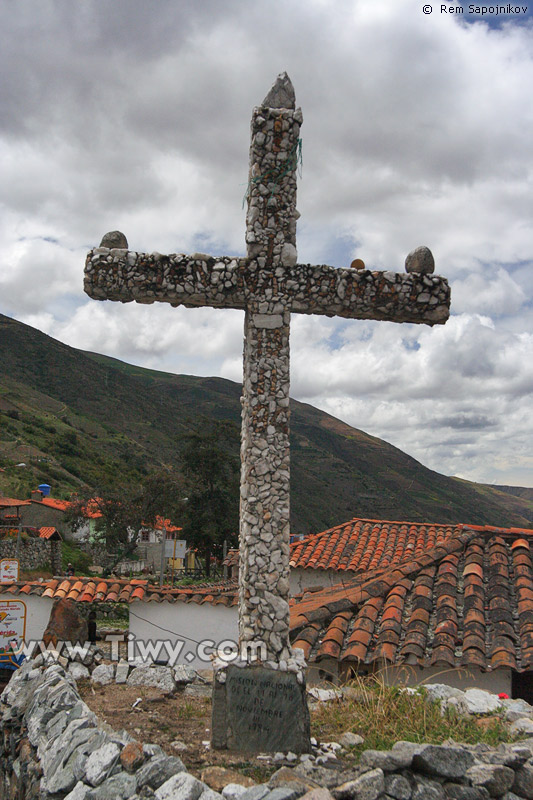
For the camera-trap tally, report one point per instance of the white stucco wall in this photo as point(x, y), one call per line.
point(301, 579)
point(326, 670)
point(37, 613)
point(187, 623)
point(497, 681)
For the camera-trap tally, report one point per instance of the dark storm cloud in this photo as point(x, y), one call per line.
point(467, 420)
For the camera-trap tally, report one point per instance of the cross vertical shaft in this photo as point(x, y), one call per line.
point(268, 285)
point(248, 713)
point(265, 458)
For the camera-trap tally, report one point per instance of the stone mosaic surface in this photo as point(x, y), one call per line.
point(223, 282)
point(268, 285)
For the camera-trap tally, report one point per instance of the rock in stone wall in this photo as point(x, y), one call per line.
point(52, 747)
point(34, 553)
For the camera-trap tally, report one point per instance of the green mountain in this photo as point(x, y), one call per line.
point(78, 419)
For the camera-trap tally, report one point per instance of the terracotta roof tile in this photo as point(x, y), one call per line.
point(468, 601)
point(364, 545)
point(523, 543)
point(87, 590)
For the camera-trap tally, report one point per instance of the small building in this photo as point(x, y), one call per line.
point(457, 612)
point(150, 539)
point(184, 624)
point(45, 511)
point(11, 512)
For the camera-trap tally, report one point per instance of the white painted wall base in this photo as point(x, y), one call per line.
point(302, 579)
point(198, 628)
point(37, 613)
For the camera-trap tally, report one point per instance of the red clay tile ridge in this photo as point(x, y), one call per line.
point(94, 590)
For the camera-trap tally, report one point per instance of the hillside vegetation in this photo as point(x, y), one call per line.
point(79, 419)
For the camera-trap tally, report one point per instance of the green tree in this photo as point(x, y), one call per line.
point(116, 518)
point(211, 482)
point(119, 515)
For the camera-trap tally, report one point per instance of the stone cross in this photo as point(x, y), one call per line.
point(268, 285)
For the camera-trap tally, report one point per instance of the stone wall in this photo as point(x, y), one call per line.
point(52, 746)
point(34, 553)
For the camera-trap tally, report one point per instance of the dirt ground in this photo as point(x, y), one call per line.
point(168, 720)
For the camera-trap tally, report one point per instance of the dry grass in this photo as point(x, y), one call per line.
point(384, 714)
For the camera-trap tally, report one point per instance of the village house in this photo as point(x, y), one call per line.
point(435, 603)
point(197, 617)
point(150, 540)
point(458, 610)
point(45, 511)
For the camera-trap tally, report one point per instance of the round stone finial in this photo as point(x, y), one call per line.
point(114, 239)
point(420, 260)
point(358, 263)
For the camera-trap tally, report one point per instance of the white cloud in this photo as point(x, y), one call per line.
point(497, 295)
point(416, 131)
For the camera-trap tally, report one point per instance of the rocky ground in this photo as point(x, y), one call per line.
point(179, 723)
point(53, 745)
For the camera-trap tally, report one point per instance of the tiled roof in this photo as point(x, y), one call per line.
point(49, 533)
point(95, 590)
point(92, 510)
point(363, 545)
point(167, 524)
point(466, 602)
point(9, 502)
point(52, 502)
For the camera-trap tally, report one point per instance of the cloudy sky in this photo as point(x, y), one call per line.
point(134, 115)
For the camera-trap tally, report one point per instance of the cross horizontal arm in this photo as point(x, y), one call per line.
point(393, 296)
point(196, 280)
point(226, 282)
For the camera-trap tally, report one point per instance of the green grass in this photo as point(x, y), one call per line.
point(80, 560)
point(383, 715)
point(102, 424)
point(188, 710)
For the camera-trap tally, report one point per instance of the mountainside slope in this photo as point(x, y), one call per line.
point(78, 418)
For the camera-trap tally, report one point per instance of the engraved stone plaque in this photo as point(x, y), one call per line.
point(260, 710)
